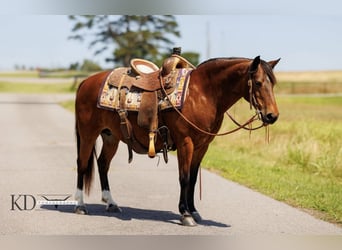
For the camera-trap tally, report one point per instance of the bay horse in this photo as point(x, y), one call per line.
point(215, 85)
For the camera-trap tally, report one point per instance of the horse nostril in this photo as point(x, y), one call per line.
point(271, 118)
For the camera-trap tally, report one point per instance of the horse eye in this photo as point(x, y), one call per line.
point(258, 84)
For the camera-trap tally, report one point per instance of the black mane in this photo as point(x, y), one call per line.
point(222, 58)
point(265, 66)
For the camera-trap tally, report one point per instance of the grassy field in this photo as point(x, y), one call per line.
point(47, 82)
point(44, 74)
point(302, 163)
point(309, 82)
point(22, 87)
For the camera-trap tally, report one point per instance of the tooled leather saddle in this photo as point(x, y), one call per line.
point(151, 82)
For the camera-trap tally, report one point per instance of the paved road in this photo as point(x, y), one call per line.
point(38, 157)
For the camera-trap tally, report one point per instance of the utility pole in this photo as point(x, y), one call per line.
point(208, 40)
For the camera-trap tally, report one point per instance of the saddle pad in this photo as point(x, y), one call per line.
point(109, 94)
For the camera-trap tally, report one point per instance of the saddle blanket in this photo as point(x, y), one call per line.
point(109, 94)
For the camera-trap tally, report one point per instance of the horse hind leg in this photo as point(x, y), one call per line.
point(109, 148)
point(80, 208)
point(85, 162)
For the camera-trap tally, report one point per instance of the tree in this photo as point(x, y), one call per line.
point(74, 66)
point(192, 57)
point(147, 37)
point(90, 66)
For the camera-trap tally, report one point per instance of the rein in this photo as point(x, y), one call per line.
point(240, 126)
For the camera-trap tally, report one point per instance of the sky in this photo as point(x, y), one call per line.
point(310, 40)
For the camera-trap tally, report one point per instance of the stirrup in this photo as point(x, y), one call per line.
point(163, 132)
point(151, 148)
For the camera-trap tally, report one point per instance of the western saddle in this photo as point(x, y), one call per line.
point(151, 81)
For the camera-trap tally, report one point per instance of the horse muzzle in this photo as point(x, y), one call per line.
point(269, 118)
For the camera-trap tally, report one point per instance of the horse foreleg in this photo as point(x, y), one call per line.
point(195, 165)
point(184, 153)
point(191, 191)
point(109, 148)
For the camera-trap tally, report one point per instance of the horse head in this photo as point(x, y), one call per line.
point(260, 89)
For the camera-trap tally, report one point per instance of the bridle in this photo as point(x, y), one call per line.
point(247, 125)
point(252, 104)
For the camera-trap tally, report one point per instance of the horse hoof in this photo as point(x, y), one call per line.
point(81, 210)
point(188, 221)
point(197, 217)
point(113, 208)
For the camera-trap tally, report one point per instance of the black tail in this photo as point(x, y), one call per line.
point(88, 174)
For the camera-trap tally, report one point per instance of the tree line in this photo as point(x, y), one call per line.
point(122, 38)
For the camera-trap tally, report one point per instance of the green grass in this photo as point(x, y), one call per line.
point(16, 74)
point(18, 87)
point(69, 105)
point(302, 164)
point(51, 82)
point(45, 74)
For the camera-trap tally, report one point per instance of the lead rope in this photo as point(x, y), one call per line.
point(200, 179)
point(267, 134)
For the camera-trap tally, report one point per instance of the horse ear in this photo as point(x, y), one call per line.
point(273, 63)
point(254, 65)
